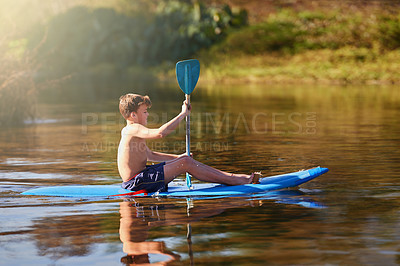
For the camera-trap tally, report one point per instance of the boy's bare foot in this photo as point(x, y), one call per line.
point(256, 177)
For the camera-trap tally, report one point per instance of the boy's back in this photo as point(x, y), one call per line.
point(132, 157)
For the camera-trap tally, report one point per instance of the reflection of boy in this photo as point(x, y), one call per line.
point(138, 219)
point(133, 232)
point(133, 152)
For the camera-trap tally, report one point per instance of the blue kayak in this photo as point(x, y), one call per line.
point(174, 190)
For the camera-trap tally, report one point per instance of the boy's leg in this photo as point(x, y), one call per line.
point(202, 172)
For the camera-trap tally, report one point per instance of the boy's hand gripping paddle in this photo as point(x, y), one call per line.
point(187, 74)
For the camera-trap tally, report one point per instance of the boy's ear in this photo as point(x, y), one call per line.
point(132, 114)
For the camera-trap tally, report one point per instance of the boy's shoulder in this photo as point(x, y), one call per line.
point(129, 127)
point(132, 129)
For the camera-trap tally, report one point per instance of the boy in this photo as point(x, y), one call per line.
point(133, 152)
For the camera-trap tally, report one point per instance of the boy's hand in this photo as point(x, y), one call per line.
point(186, 108)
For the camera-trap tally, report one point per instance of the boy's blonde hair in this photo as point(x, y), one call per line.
point(130, 102)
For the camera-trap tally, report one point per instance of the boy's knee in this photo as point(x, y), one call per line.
point(186, 159)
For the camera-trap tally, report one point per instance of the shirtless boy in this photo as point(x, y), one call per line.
point(133, 152)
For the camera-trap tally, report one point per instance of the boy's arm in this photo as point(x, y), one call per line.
point(143, 132)
point(159, 156)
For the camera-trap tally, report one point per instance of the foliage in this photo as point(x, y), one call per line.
point(274, 36)
point(82, 39)
point(17, 87)
point(389, 31)
point(288, 31)
point(100, 48)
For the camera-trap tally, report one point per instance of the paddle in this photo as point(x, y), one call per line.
point(187, 74)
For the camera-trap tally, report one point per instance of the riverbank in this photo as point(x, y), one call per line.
point(309, 46)
point(348, 65)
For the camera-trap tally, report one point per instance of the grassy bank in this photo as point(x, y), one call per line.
point(327, 47)
point(342, 66)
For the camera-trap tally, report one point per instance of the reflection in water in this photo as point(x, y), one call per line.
point(135, 224)
point(137, 219)
point(66, 236)
point(139, 216)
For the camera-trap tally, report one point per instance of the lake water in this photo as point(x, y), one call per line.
point(349, 216)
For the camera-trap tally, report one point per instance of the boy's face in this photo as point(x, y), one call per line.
point(141, 115)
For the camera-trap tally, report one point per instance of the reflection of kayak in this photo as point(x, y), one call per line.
point(204, 189)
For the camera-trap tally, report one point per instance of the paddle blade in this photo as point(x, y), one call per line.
point(187, 74)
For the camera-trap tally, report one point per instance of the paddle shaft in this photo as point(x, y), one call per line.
point(188, 179)
point(188, 127)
